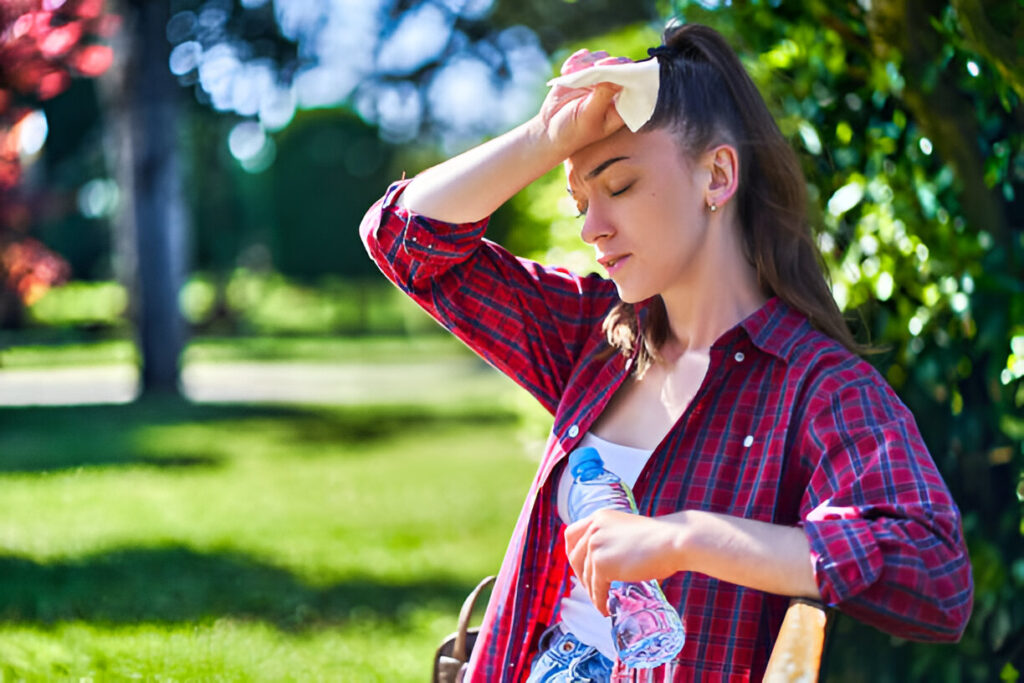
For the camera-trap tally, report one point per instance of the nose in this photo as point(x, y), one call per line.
point(595, 227)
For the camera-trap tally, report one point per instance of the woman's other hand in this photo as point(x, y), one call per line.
point(617, 546)
point(572, 118)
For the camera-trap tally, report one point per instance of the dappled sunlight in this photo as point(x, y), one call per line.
point(366, 54)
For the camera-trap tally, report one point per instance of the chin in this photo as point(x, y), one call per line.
point(631, 296)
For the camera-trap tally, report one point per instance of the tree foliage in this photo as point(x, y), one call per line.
point(43, 45)
point(907, 117)
point(911, 139)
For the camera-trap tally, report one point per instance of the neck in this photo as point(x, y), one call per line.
point(721, 290)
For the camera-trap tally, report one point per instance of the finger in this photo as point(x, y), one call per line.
point(597, 588)
point(612, 119)
point(604, 93)
point(587, 577)
point(575, 62)
point(576, 560)
point(601, 595)
point(587, 560)
point(601, 101)
point(608, 61)
point(574, 532)
point(562, 97)
point(576, 551)
point(581, 59)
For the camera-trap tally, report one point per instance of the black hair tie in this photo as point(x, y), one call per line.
point(660, 51)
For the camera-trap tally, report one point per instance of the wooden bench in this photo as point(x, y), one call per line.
point(796, 657)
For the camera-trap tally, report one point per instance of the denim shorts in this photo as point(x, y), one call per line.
point(564, 659)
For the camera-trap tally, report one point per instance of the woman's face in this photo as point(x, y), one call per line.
point(646, 211)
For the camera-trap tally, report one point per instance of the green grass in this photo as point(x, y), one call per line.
point(414, 349)
point(402, 349)
point(172, 541)
point(35, 355)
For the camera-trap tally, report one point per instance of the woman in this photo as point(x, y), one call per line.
point(712, 366)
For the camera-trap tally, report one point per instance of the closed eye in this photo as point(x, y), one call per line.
point(617, 193)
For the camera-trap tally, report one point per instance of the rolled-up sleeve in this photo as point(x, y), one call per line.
point(886, 537)
point(528, 320)
point(410, 249)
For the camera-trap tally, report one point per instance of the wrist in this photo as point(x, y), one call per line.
point(539, 143)
point(683, 540)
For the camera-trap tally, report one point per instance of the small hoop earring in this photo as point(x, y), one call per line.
point(713, 207)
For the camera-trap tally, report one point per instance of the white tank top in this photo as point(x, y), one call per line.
point(579, 616)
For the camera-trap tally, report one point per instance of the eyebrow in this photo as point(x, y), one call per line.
point(602, 166)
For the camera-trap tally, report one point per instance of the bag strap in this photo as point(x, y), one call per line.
point(459, 649)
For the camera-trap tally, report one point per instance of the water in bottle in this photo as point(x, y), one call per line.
point(646, 629)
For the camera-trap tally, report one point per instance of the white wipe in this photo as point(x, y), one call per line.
point(639, 81)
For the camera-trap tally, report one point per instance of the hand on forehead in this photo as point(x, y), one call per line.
point(638, 82)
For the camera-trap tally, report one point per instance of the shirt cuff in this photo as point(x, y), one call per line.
point(427, 239)
point(846, 558)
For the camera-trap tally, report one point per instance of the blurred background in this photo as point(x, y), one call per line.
point(230, 450)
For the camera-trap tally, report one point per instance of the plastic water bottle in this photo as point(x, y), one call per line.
point(646, 629)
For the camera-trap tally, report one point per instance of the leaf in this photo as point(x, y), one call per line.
point(59, 41)
point(92, 60)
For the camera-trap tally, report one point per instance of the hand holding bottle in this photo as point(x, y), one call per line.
point(610, 545)
point(646, 628)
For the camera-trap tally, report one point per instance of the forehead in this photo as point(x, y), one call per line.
point(655, 147)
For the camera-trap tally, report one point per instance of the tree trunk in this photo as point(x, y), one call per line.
point(142, 134)
point(945, 114)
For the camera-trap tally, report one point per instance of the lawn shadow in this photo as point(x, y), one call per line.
point(179, 585)
point(55, 438)
point(362, 425)
point(47, 439)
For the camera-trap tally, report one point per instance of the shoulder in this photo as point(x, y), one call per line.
point(837, 382)
point(808, 355)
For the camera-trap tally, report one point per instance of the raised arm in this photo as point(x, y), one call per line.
point(427, 236)
point(471, 186)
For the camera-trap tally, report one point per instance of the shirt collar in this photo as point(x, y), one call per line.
point(775, 328)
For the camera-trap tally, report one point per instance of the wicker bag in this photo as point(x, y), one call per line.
point(454, 650)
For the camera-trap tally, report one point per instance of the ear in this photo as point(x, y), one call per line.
point(723, 163)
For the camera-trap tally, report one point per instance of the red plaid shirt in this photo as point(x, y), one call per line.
point(788, 427)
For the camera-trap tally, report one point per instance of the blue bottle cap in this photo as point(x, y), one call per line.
point(583, 459)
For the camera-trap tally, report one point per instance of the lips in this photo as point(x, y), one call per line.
point(613, 263)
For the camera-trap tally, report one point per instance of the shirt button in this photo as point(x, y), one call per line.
point(573, 431)
point(749, 441)
point(739, 356)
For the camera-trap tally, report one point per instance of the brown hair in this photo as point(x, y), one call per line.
point(706, 97)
